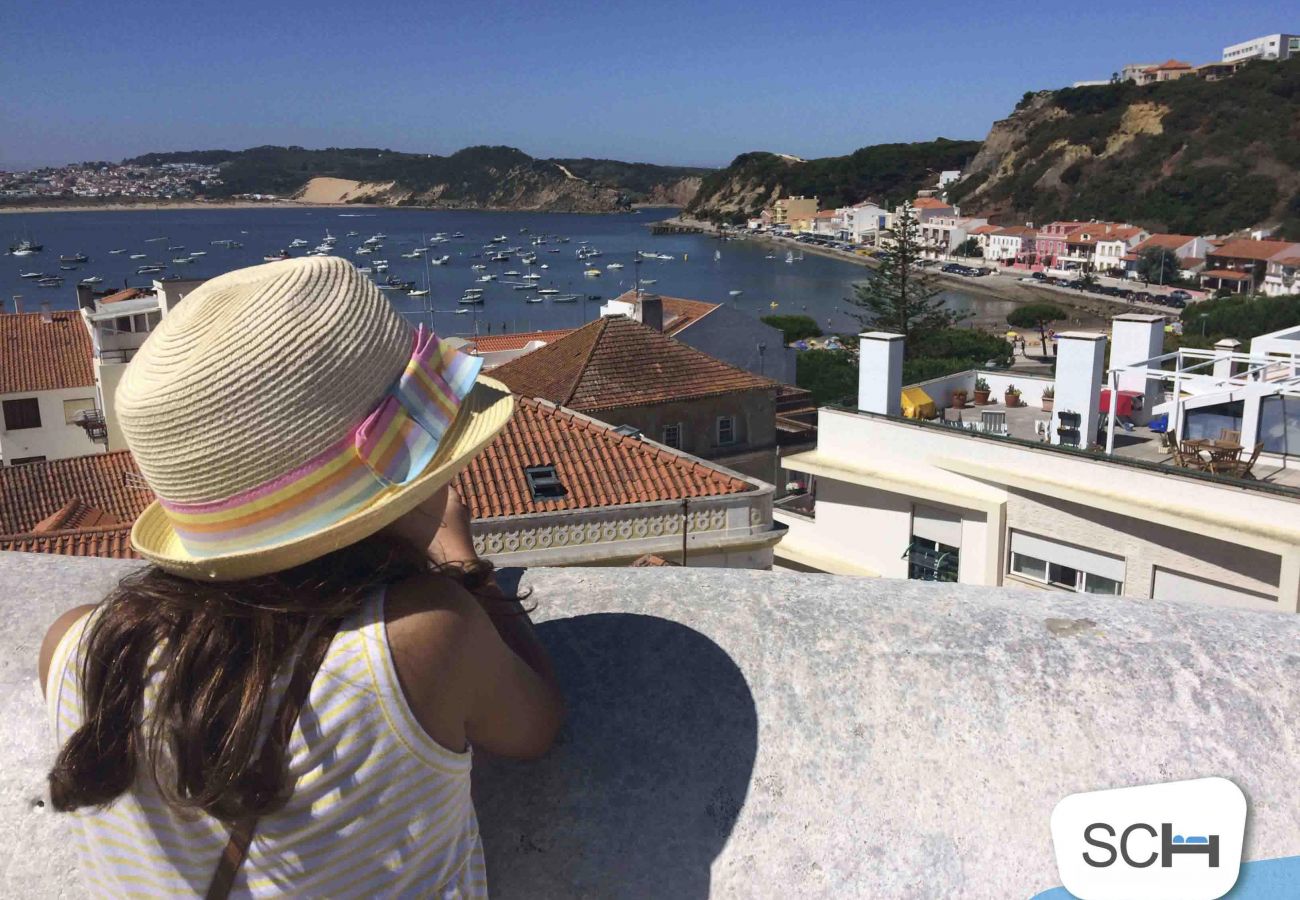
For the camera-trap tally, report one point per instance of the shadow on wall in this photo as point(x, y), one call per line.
point(643, 788)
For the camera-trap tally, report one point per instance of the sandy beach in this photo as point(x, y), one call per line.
point(154, 205)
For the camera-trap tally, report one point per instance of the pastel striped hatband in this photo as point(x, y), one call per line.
point(284, 411)
point(391, 446)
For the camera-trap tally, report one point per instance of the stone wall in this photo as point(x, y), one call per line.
point(746, 734)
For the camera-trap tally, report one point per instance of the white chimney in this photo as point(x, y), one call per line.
point(45, 312)
point(1080, 365)
point(880, 372)
point(1223, 350)
point(1137, 337)
point(18, 303)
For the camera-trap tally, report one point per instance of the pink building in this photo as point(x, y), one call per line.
point(1053, 240)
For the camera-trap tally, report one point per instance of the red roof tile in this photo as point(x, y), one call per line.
point(491, 343)
point(1170, 64)
point(929, 203)
point(44, 356)
point(127, 294)
point(679, 312)
point(1257, 250)
point(986, 229)
point(597, 466)
point(1226, 274)
point(1167, 241)
point(617, 362)
point(36, 492)
point(111, 541)
point(76, 513)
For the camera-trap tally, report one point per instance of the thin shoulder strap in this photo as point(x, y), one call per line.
point(286, 717)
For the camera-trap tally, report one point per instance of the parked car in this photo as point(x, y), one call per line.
point(1180, 295)
point(1039, 276)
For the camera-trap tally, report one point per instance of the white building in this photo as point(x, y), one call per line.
point(1008, 244)
point(941, 235)
point(47, 388)
point(1270, 46)
point(1135, 71)
point(1282, 274)
point(863, 222)
point(996, 496)
point(948, 176)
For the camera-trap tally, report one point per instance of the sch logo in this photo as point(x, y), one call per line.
point(1180, 841)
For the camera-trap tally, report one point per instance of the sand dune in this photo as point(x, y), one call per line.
point(338, 190)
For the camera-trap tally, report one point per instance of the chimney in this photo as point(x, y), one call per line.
point(45, 312)
point(1137, 337)
point(880, 372)
point(86, 297)
point(18, 303)
point(1080, 364)
point(1223, 350)
point(651, 311)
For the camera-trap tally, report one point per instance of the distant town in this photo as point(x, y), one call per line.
point(93, 181)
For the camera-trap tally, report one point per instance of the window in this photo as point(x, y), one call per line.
point(20, 414)
point(672, 436)
point(726, 430)
point(24, 460)
point(931, 561)
point(543, 483)
point(1065, 566)
point(72, 407)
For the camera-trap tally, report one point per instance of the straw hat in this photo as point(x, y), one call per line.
point(283, 411)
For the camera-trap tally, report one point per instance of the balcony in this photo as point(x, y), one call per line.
point(760, 735)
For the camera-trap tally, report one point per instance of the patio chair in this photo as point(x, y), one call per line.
point(952, 417)
point(1043, 429)
point(1188, 456)
point(1227, 435)
point(1236, 468)
point(994, 422)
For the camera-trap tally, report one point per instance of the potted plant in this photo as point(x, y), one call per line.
point(981, 391)
point(1012, 396)
point(959, 399)
point(1049, 394)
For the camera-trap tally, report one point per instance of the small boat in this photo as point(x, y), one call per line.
point(552, 249)
point(649, 254)
point(565, 298)
point(234, 245)
point(195, 253)
point(471, 300)
point(478, 266)
point(386, 287)
point(410, 256)
point(534, 299)
point(461, 312)
point(155, 240)
point(592, 273)
point(26, 247)
point(351, 234)
point(67, 268)
point(439, 261)
point(175, 248)
point(486, 278)
point(666, 256)
point(499, 239)
point(458, 235)
point(419, 293)
point(649, 280)
point(735, 293)
point(32, 275)
point(365, 270)
point(150, 270)
point(532, 276)
point(789, 256)
point(717, 255)
point(182, 260)
point(297, 242)
point(522, 287)
point(543, 266)
point(74, 258)
point(93, 279)
point(276, 257)
point(769, 256)
point(614, 266)
point(52, 281)
point(138, 255)
point(116, 252)
point(511, 273)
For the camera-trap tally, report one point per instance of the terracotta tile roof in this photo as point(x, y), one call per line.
point(597, 466)
point(112, 541)
point(1171, 64)
point(652, 560)
point(127, 294)
point(929, 203)
point(1257, 250)
point(986, 229)
point(679, 312)
point(1167, 241)
point(617, 362)
point(36, 492)
point(76, 513)
point(44, 356)
point(825, 214)
point(1288, 261)
point(490, 343)
point(1020, 231)
point(1227, 274)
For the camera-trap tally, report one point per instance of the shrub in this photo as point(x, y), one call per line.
point(795, 328)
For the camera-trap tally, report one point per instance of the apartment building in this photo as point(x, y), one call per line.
point(1275, 47)
point(1008, 496)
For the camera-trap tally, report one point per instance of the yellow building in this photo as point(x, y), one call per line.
point(797, 212)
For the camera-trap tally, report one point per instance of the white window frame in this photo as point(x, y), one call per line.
point(1075, 560)
point(85, 403)
point(674, 427)
point(731, 420)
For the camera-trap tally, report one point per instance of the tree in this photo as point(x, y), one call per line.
point(831, 376)
point(1159, 265)
point(1036, 315)
point(795, 328)
point(901, 296)
point(970, 247)
point(1087, 278)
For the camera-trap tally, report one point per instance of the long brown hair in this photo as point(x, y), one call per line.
point(212, 652)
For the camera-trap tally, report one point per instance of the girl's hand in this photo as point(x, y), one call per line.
point(454, 542)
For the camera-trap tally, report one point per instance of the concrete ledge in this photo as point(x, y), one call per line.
point(761, 735)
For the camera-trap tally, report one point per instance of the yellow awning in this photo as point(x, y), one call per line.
point(917, 404)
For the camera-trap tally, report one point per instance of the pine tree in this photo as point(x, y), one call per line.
point(900, 296)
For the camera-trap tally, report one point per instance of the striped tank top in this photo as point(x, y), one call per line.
point(379, 809)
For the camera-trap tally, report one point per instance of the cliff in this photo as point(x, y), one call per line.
point(1188, 156)
point(473, 178)
point(884, 172)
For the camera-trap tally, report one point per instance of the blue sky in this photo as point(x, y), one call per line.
point(667, 82)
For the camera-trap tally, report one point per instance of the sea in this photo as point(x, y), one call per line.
point(746, 274)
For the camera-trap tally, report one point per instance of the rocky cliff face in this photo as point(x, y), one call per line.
point(1187, 156)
